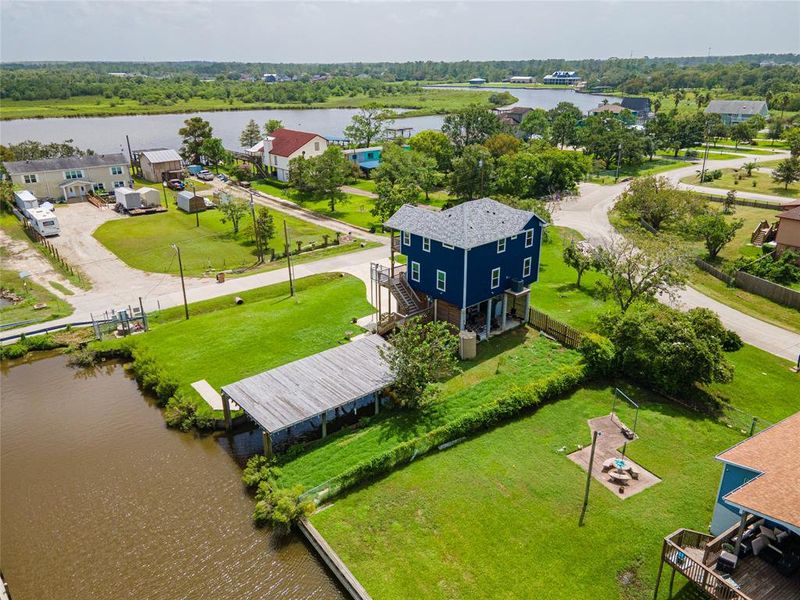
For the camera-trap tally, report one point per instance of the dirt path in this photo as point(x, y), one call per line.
point(22, 256)
point(349, 189)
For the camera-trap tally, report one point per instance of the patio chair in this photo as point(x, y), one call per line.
point(726, 563)
point(633, 473)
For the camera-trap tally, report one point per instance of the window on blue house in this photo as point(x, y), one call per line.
point(496, 277)
point(501, 246)
point(406, 238)
point(529, 238)
point(414, 271)
point(441, 280)
point(426, 244)
point(526, 267)
point(448, 246)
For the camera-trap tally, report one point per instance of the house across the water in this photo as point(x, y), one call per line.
point(471, 265)
point(561, 78)
point(737, 111)
point(753, 552)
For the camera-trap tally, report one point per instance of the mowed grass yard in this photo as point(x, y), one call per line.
point(497, 516)
point(516, 357)
point(145, 242)
point(223, 342)
point(648, 167)
point(31, 293)
point(763, 183)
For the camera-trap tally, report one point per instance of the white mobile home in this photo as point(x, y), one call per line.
point(25, 201)
point(128, 198)
point(43, 221)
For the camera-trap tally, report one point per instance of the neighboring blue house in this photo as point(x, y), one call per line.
point(366, 158)
point(473, 263)
point(761, 477)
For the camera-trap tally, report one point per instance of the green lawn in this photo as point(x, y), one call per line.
point(762, 148)
point(648, 167)
point(517, 356)
point(763, 183)
point(418, 102)
point(353, 209)
point(455, 524)
point(437, 198)
point(711, 154)
point(145, 242)
point(222, 342)
point(31, 294)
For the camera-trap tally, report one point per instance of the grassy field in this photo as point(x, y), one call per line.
point(437, 198)
point(31, 294)
point(648, 167)
point(455, 524)
point(145, 242)
point(418, 102)
point(763, 183)
point(352, 208)
point(223, 342)
point(519, 355)
point(761, 147)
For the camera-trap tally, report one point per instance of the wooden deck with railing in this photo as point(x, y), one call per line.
point(695, 555)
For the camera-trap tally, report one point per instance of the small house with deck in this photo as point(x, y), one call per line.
point(471, 265)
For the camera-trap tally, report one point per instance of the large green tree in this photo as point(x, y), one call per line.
point(434, 144)
point(251, 135)
point(536, 122)
point(473, 173)
point(541, 174)
point(787, 171)
point(421, 353)
point(564, 120)
point(331, 170)
point(214, 152)
point(194, 132)
point(655, 200)
point(470, 126)
point(368, 125)
point(714, 230)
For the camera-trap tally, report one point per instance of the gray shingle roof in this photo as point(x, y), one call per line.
point(735, 107)
point(306, 388)
point(19, 167)
point(159, 156)
point(466, 225)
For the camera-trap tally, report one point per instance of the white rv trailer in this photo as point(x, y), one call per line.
point(43, 221)
point(24, 201)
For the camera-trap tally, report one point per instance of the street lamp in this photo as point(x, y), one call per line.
point(164, 189)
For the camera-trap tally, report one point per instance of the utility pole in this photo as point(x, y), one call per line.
point(595, 435)
point(705, 157)
point(619, 159)
point(183, 285)
point(255, 229)
point(164, 188)
point(288, 257)
point(480, 166)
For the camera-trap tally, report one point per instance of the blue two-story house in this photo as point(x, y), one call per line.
point(472, 264)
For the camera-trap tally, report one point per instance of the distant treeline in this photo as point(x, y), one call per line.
point(743, 75)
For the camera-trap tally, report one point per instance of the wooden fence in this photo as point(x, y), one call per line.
point(566, 335)
point(49, 249)
point(754, 285)
point(745, 202)
point(714, 271)
point(768, 289)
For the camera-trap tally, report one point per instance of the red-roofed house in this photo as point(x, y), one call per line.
point(283, 145)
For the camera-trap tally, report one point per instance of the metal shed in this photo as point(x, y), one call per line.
point(303, 395)
point(126, 197)
point(190, 202)
point(150, 197)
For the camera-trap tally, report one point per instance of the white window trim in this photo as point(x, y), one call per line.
point(501, 246)
point(513, 237)
point(448, 246)
point(113, 172)
point(492, 283)
point(119, 184)
point(426, 244)
point(444, 280)
point(528, 238)
point(406, 238)
point(28, 179)
point(526, 266)
point(77, 172)
point(411, 268)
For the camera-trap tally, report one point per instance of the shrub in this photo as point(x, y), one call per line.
point(280, 507)
point(598, 353)
point(259, 468)
point(83, 357)
point(180, 413)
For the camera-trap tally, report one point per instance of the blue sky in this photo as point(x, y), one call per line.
point(394, 31)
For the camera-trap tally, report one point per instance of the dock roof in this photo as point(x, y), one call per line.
point(306, 388)
point(466, 225)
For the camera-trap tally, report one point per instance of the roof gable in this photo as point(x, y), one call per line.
point(637, 104)
point(792, 215)
point(288, 141)
point(466, 225)
point(161, 156)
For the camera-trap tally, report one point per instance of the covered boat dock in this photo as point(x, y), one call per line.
point(305, 395)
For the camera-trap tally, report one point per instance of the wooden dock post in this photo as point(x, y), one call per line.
point(267, 443)
point(226, 410)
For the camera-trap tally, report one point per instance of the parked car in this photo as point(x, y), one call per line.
point(175, 184)
point(222, 177)
point(209, 203)
point(205, 175)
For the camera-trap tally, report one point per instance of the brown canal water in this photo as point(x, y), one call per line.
point(98, 499)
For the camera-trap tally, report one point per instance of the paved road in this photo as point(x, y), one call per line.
point(588, 214)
